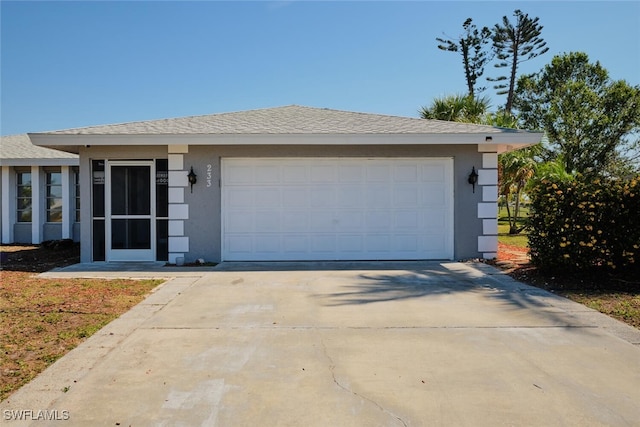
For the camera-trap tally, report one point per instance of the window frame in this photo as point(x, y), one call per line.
point(22, 208)
point(76, 193)
point(50, 200)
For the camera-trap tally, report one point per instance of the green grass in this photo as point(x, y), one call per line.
point(521, 239)
point(502, 213)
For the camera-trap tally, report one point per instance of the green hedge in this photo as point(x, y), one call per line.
point(586, 225)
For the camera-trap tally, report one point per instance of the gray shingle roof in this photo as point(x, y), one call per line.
point(292, 119)
point(19, 148)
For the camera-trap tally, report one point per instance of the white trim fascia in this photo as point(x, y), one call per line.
point(41, 162)
point(499, 139)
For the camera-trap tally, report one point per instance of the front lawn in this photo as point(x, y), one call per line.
point(43, 319)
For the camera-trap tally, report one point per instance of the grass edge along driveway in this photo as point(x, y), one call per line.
point(43, 319)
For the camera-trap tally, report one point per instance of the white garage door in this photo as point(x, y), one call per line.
point(337, 209)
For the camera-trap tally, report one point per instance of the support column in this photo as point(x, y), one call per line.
point(67, 212)
point(178, 209)
point(8, 208)
point(36, 208)
point(488, 208)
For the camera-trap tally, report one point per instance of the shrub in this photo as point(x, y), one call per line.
point(585, 226)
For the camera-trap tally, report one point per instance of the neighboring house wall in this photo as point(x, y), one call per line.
point(195, 218)
point(50, 213)
point(59, 223)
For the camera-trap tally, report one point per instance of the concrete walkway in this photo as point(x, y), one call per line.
point(342, 344)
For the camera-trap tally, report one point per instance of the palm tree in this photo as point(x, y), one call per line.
point(516, 168)
point(457, 108)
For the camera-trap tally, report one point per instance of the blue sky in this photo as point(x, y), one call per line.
point(73, 64)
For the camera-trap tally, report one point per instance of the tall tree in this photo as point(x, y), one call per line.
point(513, 44)
point(516, 168)
point(588, 118)
point(457, 108)
point(472, 46)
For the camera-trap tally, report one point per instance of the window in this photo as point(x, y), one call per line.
point(54, 197)
point(24, 196)
point(76, 177)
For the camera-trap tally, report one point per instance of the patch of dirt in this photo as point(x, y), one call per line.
point(618, 297)
point(39, 258)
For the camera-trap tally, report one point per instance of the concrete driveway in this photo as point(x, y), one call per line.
point(354, 344)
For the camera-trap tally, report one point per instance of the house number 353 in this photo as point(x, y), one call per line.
point(209, 169)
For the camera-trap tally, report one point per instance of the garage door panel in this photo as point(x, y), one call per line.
point(239, 174)
point(378, 220)
point(378, 173)
point(267, 197)
point(406, 173)
point(322, 173)
point(295, 197)
point(296, 221)
point(408, 196)
point(242, 198)
point(350, 173)
point(433, 196)
point(378, 243)
point(349, 196)
point(405, 243)
point(435, 219)
point(323, 244)
point(322, 197)
point(322, 221)
point(266, 221)
point(348, 221)
point(240, 222)
point(337, 208)
point(239, 244)
point(267, 174)
point(378, 196)
point(267, 243)
point(350, 244)
point(295, 244)
point(294, 174)
point(408, 219)
point(433, 173)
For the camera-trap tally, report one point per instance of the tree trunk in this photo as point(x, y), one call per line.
point(513, 228)
point(511, 222)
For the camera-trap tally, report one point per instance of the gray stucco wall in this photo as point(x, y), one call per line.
point(22, 232)
point(203, 228)
point(51, 231)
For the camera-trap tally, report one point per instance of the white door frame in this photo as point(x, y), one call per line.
point(130, 254)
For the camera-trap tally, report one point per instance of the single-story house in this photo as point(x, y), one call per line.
point(288, 183)
point(39, 189)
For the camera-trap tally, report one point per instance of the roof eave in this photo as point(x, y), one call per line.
point(72, 143)
point(40, 162)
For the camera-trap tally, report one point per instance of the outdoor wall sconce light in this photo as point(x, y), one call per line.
point(193, 178)
point(473, 178)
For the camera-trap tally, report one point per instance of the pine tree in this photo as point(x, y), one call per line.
point(471, 46)
point(513, 44)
